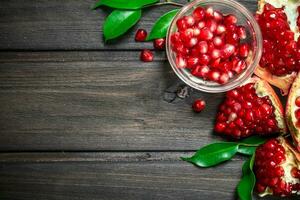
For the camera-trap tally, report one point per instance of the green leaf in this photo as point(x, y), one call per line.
point(247, 183)
point(124, 4)
point(254, 140)
point(246, 150)
point(160, 27)
point(213, 154)
point(119, 22)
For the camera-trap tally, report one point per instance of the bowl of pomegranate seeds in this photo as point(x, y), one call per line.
point(214, 45)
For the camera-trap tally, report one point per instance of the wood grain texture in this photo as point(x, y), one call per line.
point(65, 25)
point(71, 103)
point(143, 175)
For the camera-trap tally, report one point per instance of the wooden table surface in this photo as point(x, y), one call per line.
point(80, 119)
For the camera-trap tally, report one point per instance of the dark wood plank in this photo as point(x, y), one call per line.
point(69, 24)
point(143, 175)
point(97, 101)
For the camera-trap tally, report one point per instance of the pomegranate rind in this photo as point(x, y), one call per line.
point(282, 82)
point(290, 110)
point(263, 88)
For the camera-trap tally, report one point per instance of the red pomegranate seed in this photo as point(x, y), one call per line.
point(218, 16)
point(187, 34)
point(196, 32)
point(230, 19)
point(215, 63)
point(159, 43)
point(191, 42)
point(199, 13)
point(211, 24)
point(220, 127)
point(192, 61)
point(220, 29)
point(244, 50)
point(218, 41)
point(201, 24)
point(206, 34)
point(189, 20)
point(140, 35)
point(209, 12)
point(216, 53)
point(297, 101)
point(203, 47)
point(180, 62)
point(227, 50)
point(175, 38)
point(198, 105)
point(224, 78)
point(204, 59)
point(241, 31)
point(200, 71)
point(297, 114)
point(146, 55)
point(232, 38)
point(181, 24)
point(214, 75)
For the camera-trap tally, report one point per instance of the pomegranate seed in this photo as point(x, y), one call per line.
point(199, 13)
point(159, 44)
point(227, 50)
point(192, 42)
point(211, 25)
point(175, 38)
point(203, 47)
point(189, 21)
point(209, 12)
point(146, 56)
point(297, 101)
point(201, 71)
point(224, 78)
point(216, 53)
point(180, 62)
point(140, 35)
point(204, 59)
point(218, 16)
point(206, 34)
point(181, 24)
point(218, 41)
point(201, 24)
point(230, 19)
point(232, 38)
point(187, 34)
point(297, 114)
point(192, 61)
point(214, 75)
point(241, 31)
point(220, 29)
point(220, 127)
point(244, 50)
point(196, 32)
point(198, 105)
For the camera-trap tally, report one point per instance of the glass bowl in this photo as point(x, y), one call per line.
point(254, 39)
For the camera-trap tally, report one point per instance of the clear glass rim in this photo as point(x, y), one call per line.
point(257, 50)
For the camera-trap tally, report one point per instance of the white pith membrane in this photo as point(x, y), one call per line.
point(290, 8)
point(262, 92)
point(287, 165)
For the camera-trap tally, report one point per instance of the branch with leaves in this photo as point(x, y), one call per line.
point(127, 13)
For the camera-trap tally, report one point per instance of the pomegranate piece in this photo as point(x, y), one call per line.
point(146, 55)
point(198, 105)
point(279, 62)
point(159, 44)
point(250, 109)
point(140, 35)
point(292, 111)
point(277, 168)
point(208, 41)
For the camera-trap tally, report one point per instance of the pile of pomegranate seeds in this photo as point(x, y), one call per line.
point(209, 44)
point(243, 113)
point(272, 163)
point(281, 53)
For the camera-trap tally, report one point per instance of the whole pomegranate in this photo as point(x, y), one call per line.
point(253, 108)
point(277, 168)
point(281, 53)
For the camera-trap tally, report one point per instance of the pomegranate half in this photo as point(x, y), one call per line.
point(280, 59)
point(292, 111)
point(277, 168)
point(253, 108)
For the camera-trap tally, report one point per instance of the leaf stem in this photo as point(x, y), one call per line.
point(249, 145)
point(167, 2)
